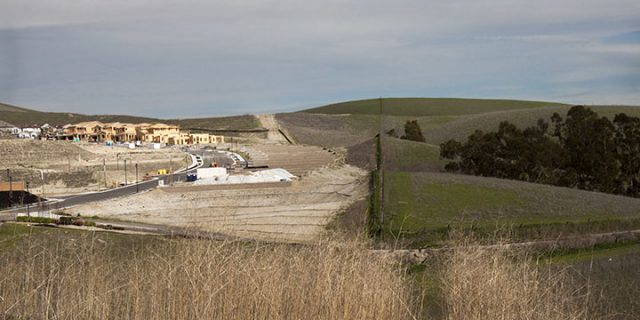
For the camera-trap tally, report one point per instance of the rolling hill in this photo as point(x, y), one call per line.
point(419, 107)
point(422, 202)
point(24, 117)
point(11, 108)
point(350, 123)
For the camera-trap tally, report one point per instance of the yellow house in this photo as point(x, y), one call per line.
point(127, 132)
point(179, 139)
point(86, 131)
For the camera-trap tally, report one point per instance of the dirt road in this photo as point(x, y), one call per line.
point(269, 122)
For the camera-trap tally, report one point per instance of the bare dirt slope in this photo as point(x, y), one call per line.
point(296, 213)
point(297, 159)
point(64, 167)
point(269, 122)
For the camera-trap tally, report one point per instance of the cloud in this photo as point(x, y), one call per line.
point(631, 37)
point(170, 58)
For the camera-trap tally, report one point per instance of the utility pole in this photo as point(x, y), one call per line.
point(42, 179)
point(10, 188)
point(28, 213)
point(137, 185)
point(104, 171)
point(125, 172)
point(170, 178)
point(380, 176)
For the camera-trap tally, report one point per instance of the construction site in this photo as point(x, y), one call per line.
point(95, 131)
point(262, 188)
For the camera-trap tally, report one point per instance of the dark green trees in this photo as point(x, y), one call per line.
point(584, 151)
point(412, 131)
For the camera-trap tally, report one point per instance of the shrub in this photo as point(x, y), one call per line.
point(412, 131)
point(36, 219)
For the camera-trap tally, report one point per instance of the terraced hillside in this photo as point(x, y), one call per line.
point(299, 212)
point(38, 153)
point(299, 160)
point(64, 167)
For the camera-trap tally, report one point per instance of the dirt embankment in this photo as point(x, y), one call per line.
point(60, 167)
point(274, 135)
point(298, 212)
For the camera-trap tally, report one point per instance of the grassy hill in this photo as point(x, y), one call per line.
point(420, 208)
point(23, 117)
point(427, 106)
point(350, 123)
point(422, 202)
point(11, 108)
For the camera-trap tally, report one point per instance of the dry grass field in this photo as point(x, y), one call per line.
point(480, 283)
point(54, 274)
point(96, 276)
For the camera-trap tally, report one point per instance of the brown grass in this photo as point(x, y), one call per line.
point(482, 283)
point(200, 279)
point(78, 275)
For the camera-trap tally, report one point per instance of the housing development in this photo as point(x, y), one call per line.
point(95, 131)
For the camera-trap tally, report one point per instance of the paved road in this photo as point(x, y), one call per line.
point(206, 156)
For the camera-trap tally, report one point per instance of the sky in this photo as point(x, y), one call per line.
point(204, 58)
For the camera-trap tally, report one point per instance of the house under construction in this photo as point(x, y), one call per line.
point(95, 131)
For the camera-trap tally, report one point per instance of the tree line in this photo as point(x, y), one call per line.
point(583, 150)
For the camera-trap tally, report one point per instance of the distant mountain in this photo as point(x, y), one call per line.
point(23, 117)
point(11, 108)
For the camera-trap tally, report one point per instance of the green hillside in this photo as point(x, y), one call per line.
point(420, 207)
point(350, 123)
point(427, 106)
point(423, 203)
point(11, 108)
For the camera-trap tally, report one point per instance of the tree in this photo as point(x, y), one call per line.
point(589, 141)
point(627, 141)
point(584, 151)
point(412, 131)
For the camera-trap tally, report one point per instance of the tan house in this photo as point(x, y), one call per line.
point(85, 131)
point(95, 131)
point(180, 139)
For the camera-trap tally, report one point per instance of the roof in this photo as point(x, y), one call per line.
point(162, 126)
point(112, 125)
point(89, 124)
